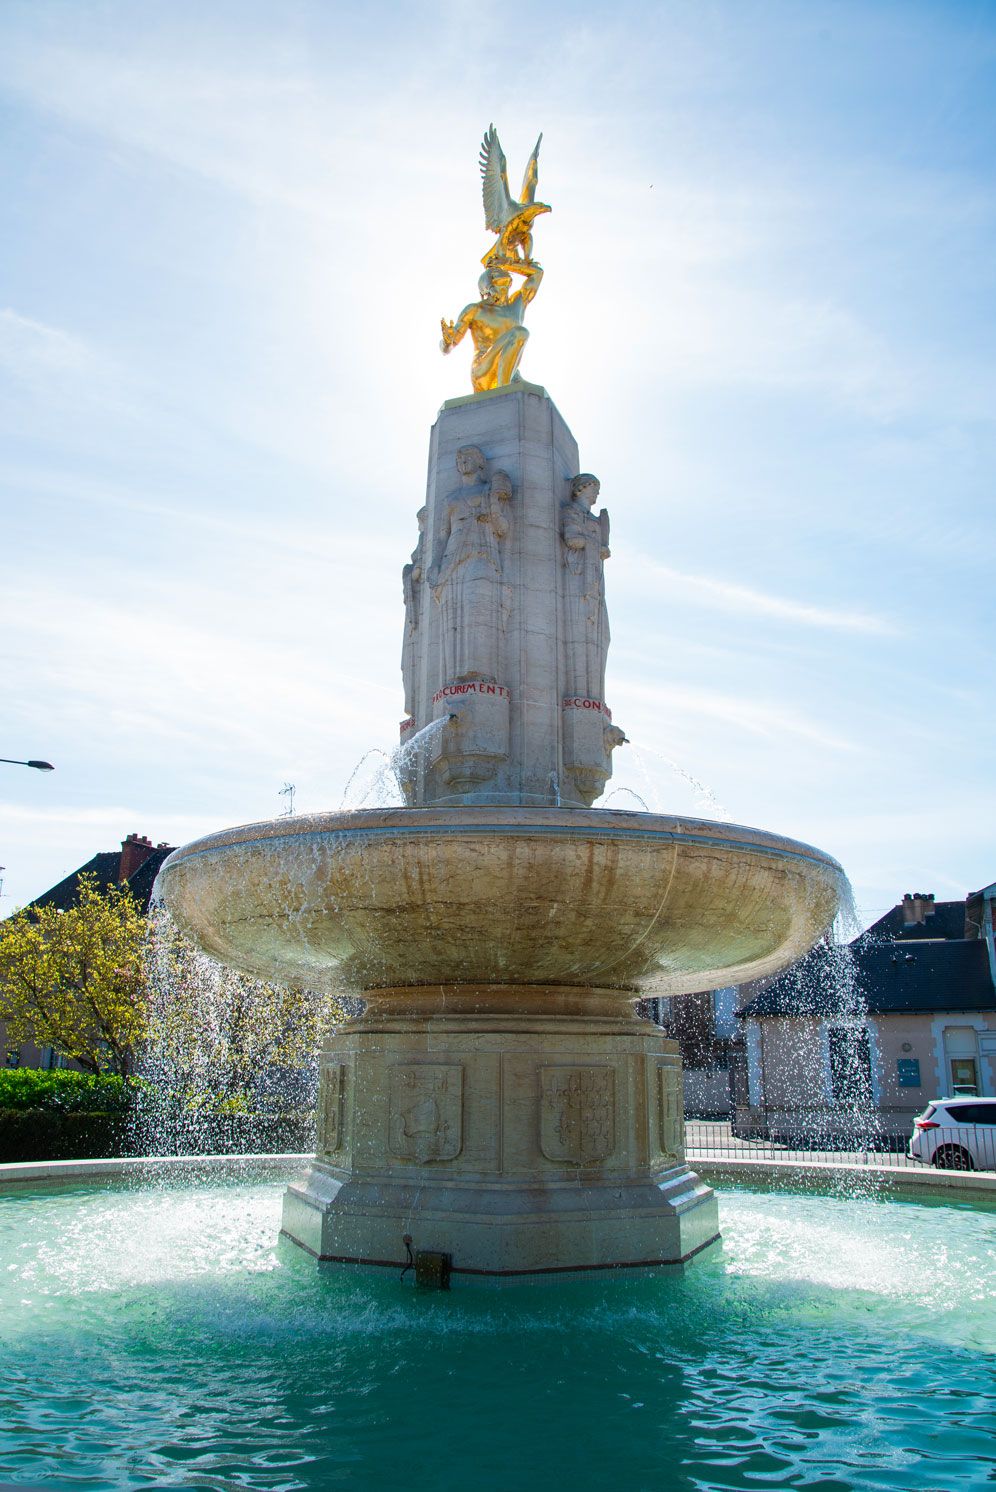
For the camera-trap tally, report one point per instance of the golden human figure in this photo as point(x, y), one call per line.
point(495, 321)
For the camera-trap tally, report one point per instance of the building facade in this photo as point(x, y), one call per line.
point(710, 1042)
point(851, 1043)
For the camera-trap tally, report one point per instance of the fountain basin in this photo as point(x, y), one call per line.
point(510, 895)
point(498, 1100)
point(171, 1341)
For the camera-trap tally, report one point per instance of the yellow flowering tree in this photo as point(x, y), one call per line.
point(75, 979)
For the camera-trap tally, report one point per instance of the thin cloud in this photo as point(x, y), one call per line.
point(109, 819)
point(728, 595)
point(757, 717)
point(29, 348)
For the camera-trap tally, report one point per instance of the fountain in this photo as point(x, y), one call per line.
point(499, 1101)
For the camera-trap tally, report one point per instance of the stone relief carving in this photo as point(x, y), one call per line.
point(466, 573)
point(412, 577)
point(426, 1112)
point(585, 547)
point(330, 1109)
point(475, 739)
point(671, 1112)
point(577, 1114)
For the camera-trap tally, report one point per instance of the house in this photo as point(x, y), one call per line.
point(136, 865)
point(709, 1038)
point(857, 1040)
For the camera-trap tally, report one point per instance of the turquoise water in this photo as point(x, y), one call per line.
point(165, 1338)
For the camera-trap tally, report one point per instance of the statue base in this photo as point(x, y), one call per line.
point(519, 1129)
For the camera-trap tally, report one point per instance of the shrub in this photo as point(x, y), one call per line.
point(65, 1115)
point(65, 1092)
point(48, 1134)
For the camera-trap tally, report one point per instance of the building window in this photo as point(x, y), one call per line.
point(724, 1005)
point(962, 1052)
point(964, 1076)
point(755, 1066)
point(850, 1065)
point(13, 1057)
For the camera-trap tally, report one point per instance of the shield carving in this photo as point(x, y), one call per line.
point(577, 1114)
point(671, 1110)
point(330, 1108)
point(426, 1112)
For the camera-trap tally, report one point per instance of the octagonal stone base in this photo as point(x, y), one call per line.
point(521, 1130)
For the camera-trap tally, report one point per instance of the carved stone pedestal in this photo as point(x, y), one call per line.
point(520, 1129)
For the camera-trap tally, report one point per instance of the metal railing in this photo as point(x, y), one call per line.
point(962, 1147)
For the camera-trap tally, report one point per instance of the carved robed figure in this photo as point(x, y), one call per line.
point(412, 577)
point(585, 540)
point(466, 575)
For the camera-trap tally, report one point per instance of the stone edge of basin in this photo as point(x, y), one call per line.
point(792, 1174)
point(19, 1173)
point(508, 818)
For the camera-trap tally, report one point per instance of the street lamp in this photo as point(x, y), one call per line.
point(41, 766)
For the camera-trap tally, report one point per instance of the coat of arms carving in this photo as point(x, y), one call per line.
point(330, 1109)
point(577, 1114)
point(426, 1112)
point(671, 1111)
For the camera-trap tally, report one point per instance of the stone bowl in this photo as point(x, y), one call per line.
point(580, 898)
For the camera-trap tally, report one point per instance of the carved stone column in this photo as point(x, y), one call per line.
point(520, 1130)
point(508, 633)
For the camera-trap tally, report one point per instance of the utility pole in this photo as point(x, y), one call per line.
point(287, 791)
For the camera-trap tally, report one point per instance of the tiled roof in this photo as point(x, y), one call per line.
point(890, 976)
point(948, 921)
point(141, 883)
point(106, 866)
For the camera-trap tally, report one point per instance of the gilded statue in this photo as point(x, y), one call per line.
point(512, 220)
point(495, 321)
point(466, 575)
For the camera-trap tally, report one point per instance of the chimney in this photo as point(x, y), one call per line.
point(135, 850)
point(917, 907)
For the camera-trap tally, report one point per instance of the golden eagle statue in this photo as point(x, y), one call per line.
point(495, 321)
point(512, 220)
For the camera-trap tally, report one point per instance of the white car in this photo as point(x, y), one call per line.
point(956, 1134)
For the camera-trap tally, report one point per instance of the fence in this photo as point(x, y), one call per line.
point(964, 1147)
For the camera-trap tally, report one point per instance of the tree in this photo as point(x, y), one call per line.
point(222, 1039)
point(74, 979)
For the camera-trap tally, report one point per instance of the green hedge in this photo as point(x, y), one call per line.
point(65, 1092)
point(63, 1115)
point(53, 1134)
point(47, 1134)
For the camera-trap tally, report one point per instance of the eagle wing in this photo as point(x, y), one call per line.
point(528, 193)
point(498, 204)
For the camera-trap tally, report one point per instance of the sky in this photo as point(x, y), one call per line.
point(768, 315)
